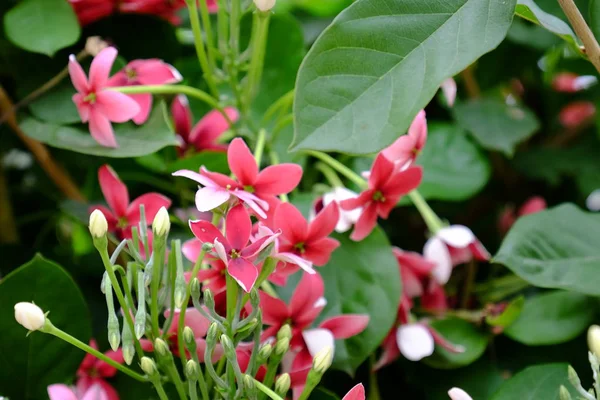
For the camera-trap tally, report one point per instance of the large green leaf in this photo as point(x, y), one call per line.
point(495, 124)
point(214, 161)
point(42, 26)
point(56, 105)
point(553, 318)
point(29, 364)
point(453, 167)
point(381, 61)
point(535, 383)
point(461, 333)
point(362, 278)
point(133, 141)
point(555, 248)
point(530, 11)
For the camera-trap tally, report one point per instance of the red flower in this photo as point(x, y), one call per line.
point(577, 113)
point(356, 393)
point(234, 249)
point(213, 278)
point(404, 151)
point(121, 214)
point(509, 217)
point(308, 241)
point(569, 82)
point(386, 188)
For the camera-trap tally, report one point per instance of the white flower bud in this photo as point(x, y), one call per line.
point(148, 366)
point(264, 5)
point(94, 45)
point(458, 394)
point(98, 225)
point(161, 224)
point(323, 360)
point(593, 339)
point(30, 316)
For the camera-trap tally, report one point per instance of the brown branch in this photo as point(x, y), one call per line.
point(8, 227)
point(583, 31)
point(470, 82)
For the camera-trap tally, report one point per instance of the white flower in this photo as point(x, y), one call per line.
point(458, 394)
point(161, 224)
point(414, 341)
point(347, 218)
point(264, 5)
point(98, 224)
point(30, 316)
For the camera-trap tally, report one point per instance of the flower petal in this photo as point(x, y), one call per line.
point(296, 260)
point(101, 129)
point(244, 272)
point(144, 102)
point(345, 326)
point(292, 223)
point(435, 250)
point(193, 318)
point(191, 249)
point(458, 394)
point(208, 198)
point(414, 341)
point(324, 223)
point(206, 132)
point(257, 205)
point(319, 251)
point(356, 393)
point(403, 182)
point(238, 227)
point(182, 116)
point(156, 72)
point(381, 171)
point(458, 236)
point(390, 351)
point(77, 75)
point(208, 233)
point(275, 311)
point(115, 106)
point(195, 176)
point(114, 190)
point(152, 203)
point(365, 224)
point(61, 392)
point(242, 162)
point(318, 339)
point(96, 392)
point(100, 68)
point(278, 179)
point(309, 290)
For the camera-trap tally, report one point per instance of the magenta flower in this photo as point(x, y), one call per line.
point(213, 278)
point(386, 188)
point(144, 72)
point(404, 151)
point(95, 103)
point(205, 134)
point(89, 11)
point(121, 214)
point(233, 248)
point(63, 392)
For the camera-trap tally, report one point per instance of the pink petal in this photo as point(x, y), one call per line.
point(381, 171)
point(221, 252)
point(414, 261)
point(83, 107)
point(61, 392)
point(345, 326)
point(278, 179)
point(144, 102)
point(238, 227)
point(411, 284)
point(201, 179)
point(77, 75)
point(414, 341)
point(208, 233)
point(318, 339)
point(259, 245)
point(403, 182)
point(533, 205)
point(401, 151)
point(296, 260)
point(356, 393)
point(100, 68)
point(256, 204)
point(193, 319)
point(418, 130)
point(156, 72)
point(118, 79)
point(357, 202)
point(310, 289)
point(458, 236)
point(208, 198)
point(449, 90)
point(291, 222)
point(390, 351)
point(242, 162)
point(201, 349)
point(206, 132)
point(182, 116)
point(114, 190)
point(115, 106)
point(101, 129)
point(365, 224)
point(96, 392)
point(479, 252)
point(436, 251)
point(152, 203)
point(275, 311)
point(324, 223)
point(244, 272)
point(191, 249)
point(220, 180)
point(444, 343)
point(434, 298)
point(319, 251)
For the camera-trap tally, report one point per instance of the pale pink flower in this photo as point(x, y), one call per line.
point(64, 392)
point(337, 195)
point(404, 151)
point(449, 91)
point(97, 105)
point(356, 393)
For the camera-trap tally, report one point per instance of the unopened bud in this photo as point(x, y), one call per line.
point(128, 352)
point(323, 359)
point(249, 327)
point(264, 353)
point(30, 316)
point(284, 332)
point(564, 394)
point(195, 288)
point(188, 337)
point(103, 282)
point(161, 224)
point(249, 383)
point(573, 377)
point(282, 346)
point(228, 346)
point(282, 384)
point(161, 347)
point(98, 224)
point(458, 394)
point(264, 5)
point(191, 370)
point(593, 339)
point(140, 323)
point(148, 273)
point(211, 335)
point(94, 45)
point(114, 339)
point(148, 366)
point(209, 299)
point(254, 298)
point(207, 246)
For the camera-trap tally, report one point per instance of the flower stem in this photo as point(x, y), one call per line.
point(158, 258)
point(329, 174)
point(159, 389)
point(210, 43)
point(199, 43)
point(339, 167)
point(373, 384)
point(267, 391)
point(592, 49)
point(52, 330)
point(282, 102)
point(260, 146)
point(433, 222)
point(260, 31)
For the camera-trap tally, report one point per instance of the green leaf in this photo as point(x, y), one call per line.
point(380, 62)
point(530, 11)
point(553, 318)
point(461, 333)
point(42, 26)
point(453, 167)
point(495, 124)
point(556, 248)
point(214, 161)
point(322, 8)
point(362, 278)
point(536, 383)
point(133, 141)
point(30, 363)
point(56, 105)
point(533, 36)
point(509, 315)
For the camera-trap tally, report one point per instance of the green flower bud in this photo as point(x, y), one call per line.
point(323, 359)
point(128, 352)
point(189, 338)
point(207, 246)
point(211, 335)
point(284, 332)
point(161, 224)
point(282, 384)
point(228, 347)
point(282, 346)
point(264, 352)
point(209, 299)
point(191, 370)
point(254, 298)
point(148, 366)
point(249, 383)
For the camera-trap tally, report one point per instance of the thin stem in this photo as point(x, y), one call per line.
point(234, 29)
point(339, 167)
point(192, 390)
point(583, 31)
point(329, 174)
point(260, 146)
point(222, 22)
point(373, 384)
point(157, 262)
point(52, 330)
point(159, 389)
point(210, 43)
point(231, 293)
point(259, 46)
point(267, 391)
point(433, 222)
point(469, 283)
point(283, 101)
point(201, 379)
point(199, 44)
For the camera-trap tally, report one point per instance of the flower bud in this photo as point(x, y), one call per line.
point(161, 347)
point(161, 224)
point(323, 359)
point(249, 383)
point(191, 370)
point(264, 353)
point(458, 394)
point(128, 352)
point(264, 5)
point(228, 346)
point(94, 45)
point(188, 337)
point(195, 288)
point(148, 366)
point(98, 224)
point(284, 332)
point(564, 394)
point(573, 377)
point(211, 335)
point(282, 346)
point(282, 384)
point(114, 339)
point(254, 298)
point(593, 339)
point(29, 316)
point(209, 299)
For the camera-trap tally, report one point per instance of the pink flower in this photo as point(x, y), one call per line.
point(97, 105)
point(337, 195)
point(569, 82)
point(251, 186)
point(309, 241)
point(404, 151)
point(458, 394)
point(213, 278)
point(306, 304)
point(205, 134)
point(386, 188)
point(64, 392)
point(449, 91)
point(414, 269)
point(234, 249)
point(577, 113)
point(144, 72)
point(508, 216)
point(356, 393)
point(121, 214)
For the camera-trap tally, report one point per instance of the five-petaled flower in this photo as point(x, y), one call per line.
point(121, 214)
point(385, 188)
point(95, 103)
point(234, 248)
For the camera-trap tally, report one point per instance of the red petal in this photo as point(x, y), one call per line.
point(115, 106)
point(77, 75)
point(414, 261)
point(356, 393)
point(403, 182)
point(381, 171)
point(182, 116)
point(362, 199)
point(238, 227)
point(152, 203)
point(319, 251)
point(207, 233)
point(310, 289)
point(275, 311)
point(324, 223)
point(365, 224)
point(291, 222)
point(242, 162)
point(278, 179)
point(345, 326)
point(390, 351)
point(101, 129)
point(114, 190)
point(244, 272)
point(206, 132)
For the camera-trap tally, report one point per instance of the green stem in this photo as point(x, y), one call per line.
point(201, 379)
point(158, 257)
point(175, 378)
point(222, 22)
point(339, 167)
point(283, 101)
point(373, 384)
point(199, 43)
point(234, 29)
point(232, 291)
point(259, 45)
point(267, 391)
point(260, 146)
point(192, 390)
point(210, 43)
point(433, 222)
point(329, 174)
point(52, 330)
point(159, 389)
point(469, 283)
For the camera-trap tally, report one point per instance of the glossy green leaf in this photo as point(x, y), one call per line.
point(496, 125)
point(213, 161)
point(29, 364)
point(362, 278)
point(534, 36)
point(453, 167)
point(535, 383)
point(461, 333)
point(509, 315)
point(530, 11)
point(133, 140)
point(553, 318)
point(42, 26)
point(380, 62)
point(555, 248)
point(56, 105)
point(322, 8)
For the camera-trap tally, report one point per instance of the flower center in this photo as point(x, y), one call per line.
point(130, 73)
point(234, 254)
point(300, 247)
point(122, 223)
point(378, 196)
point(90, 98)
point(249, 189)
